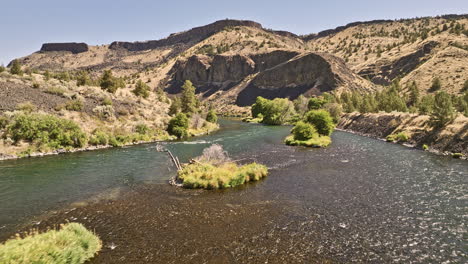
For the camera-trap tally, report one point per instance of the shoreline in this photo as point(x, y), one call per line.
point(4, 157)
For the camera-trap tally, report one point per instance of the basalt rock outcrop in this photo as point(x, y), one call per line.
point(310, 74)
point(191, 36)
point(222, 70)
point(72, 47)
point(279, 73)
point(384, 71)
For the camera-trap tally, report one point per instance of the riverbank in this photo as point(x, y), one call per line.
point(452, 138)
point(193, 133)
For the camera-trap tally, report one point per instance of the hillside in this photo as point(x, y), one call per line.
point(411, 49)
point(229, 61)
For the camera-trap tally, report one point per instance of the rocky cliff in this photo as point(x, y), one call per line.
point(219, 70)
point(276, 74)
point(191, 36)
point(72, 47)
point(309, 73)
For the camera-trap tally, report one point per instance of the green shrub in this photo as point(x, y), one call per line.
point(99, 138)
point(72, 244)
point(211, 116)
point(391, 138)
point(178, 126)
point(141, 89)
point(335, 110)
point(457, 155)
point(110, 83)
point(2, 68)
point(176, 106)
point(83, 78)
point(16, 68)
point(321, 120)
point(425, 147)
point(436, 85)
point(74, 105)
point(259, 107)
point(316, 103)
point(46, 130)
point(55, 91)
point(402, 137)
point(303, 131)
point(142, 129)
point(189, 100)
point(275, 112)
point(36, 85)
point(443, 111)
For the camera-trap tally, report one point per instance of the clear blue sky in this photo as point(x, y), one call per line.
point(27, 24)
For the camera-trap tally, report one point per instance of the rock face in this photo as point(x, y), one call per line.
point(219, 70)
point(310, 73)
point(279, 73)
point(192, 35)
point(72, 47)
point(452, 138)
point(384, 72)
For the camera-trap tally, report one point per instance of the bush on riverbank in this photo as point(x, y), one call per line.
point(214, 170)
point(44, 129)
point(72, 244)
point(278, 111)
point(400, 137)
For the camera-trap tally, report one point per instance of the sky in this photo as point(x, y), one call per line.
point(25, 25)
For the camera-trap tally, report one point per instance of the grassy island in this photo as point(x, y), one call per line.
point(72, 244)
point(214, 170)
point(315, 142)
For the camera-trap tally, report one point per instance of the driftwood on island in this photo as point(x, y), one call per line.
point(174, 180)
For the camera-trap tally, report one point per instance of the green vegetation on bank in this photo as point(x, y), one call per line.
point(441, 106)
point(189, 117)
point(72, 244)
point(312, 118)
point(44, 132)
point(214, 170)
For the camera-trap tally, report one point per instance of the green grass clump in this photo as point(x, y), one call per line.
point(55, 91)
point(315, 142)
point(457, 155)
point(400, 137)
point(226, 175)
point(72, 244)
point(74, 105)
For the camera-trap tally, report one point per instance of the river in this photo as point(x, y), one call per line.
point(360, 200)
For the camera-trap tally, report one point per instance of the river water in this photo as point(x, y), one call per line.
point(360, 200)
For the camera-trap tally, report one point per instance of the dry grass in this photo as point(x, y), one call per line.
point(72, 244)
